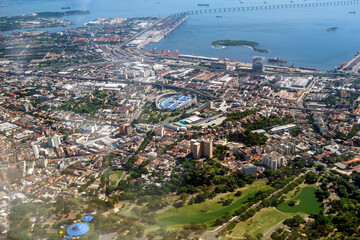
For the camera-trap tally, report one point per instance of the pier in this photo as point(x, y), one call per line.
point(354, 65)
point(267, 7)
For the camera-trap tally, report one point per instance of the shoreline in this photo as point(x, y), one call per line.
point(221, 46)
point(218, 47)
point(250, 47)
point(61, 28)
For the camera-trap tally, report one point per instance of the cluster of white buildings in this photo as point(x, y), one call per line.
point(273, 160)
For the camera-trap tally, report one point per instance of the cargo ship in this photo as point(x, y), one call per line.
point(277, 60)
point(203, 5)
point(352, 12)
point(332, 29)
point(68, 8)
point(307, 68)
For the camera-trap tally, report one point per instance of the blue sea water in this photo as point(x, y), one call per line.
point(298, 35)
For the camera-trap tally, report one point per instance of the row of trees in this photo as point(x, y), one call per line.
point(249, 138)
point(270, 121)
point(245, 212)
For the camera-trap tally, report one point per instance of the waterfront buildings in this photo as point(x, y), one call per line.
point(258, 63)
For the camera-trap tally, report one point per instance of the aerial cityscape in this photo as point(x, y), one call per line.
point(154, 119)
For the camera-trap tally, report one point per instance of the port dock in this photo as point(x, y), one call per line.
point(353, 66)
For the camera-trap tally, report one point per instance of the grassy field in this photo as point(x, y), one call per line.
point(192, 213)
point(262, 222)
point(115, 176)
point(307, 203)
point(296, 191)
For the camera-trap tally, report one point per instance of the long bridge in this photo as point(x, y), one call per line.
point(267, 7)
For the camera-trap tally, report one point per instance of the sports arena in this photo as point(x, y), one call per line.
point(174, 101)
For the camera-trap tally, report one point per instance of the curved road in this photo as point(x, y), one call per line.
point(268, 233)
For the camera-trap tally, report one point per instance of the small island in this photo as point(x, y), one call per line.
point(333, 29)
point(245, 43)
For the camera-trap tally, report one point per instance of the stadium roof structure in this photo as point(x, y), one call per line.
point(77, 229)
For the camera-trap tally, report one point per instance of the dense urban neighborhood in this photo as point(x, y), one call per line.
point(151, 144)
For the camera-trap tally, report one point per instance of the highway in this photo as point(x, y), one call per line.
point(330, 110)
point(291, 71)
point(306, 91)
point(162, 85)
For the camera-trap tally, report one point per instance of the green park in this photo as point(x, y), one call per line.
point(305, 203)
point(208, 211)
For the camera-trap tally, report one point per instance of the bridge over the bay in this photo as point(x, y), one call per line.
point(267, 7)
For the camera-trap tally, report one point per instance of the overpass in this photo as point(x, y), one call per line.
point(267, 7)
point(328, 111)
point(154, 84)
